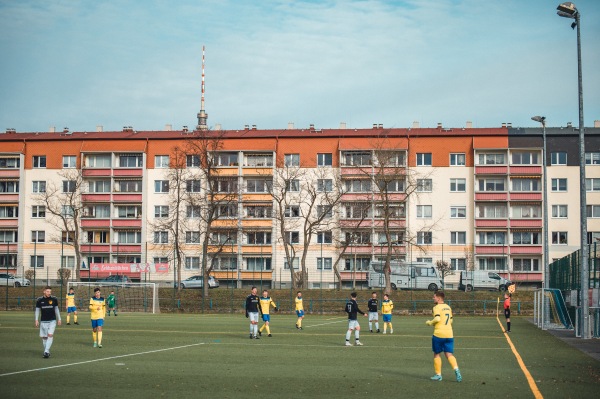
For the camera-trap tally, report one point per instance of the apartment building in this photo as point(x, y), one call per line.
point(471, 197)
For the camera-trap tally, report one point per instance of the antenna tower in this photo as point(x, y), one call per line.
point(202, 115)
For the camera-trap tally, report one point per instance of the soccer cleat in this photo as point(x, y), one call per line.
point(507, 331)
point(391, 331)
point(251, 336)
point(301, 328)
point(259, 333)
point(348, 343)
point(99, 345)
point(75, 323)
point(436, 377)
point(269, 335)
point(385, 332)
point(358, 343)
point(46, 355)
point(378, 331)
point(458, 375)
point(68, 324)
point(370, 330)
point(116, 315)
point(95, 344)
point(256, 337)
point(297, 328)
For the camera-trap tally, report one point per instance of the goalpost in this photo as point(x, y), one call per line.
point(131, 297)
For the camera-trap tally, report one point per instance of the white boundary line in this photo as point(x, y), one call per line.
point(99, 360)
point(322, 324)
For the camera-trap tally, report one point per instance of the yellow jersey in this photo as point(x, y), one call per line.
point(387, 306)
point(299, 305)
point(265, 304)
point(70, 300)
point(97, 308)
point(442, 321)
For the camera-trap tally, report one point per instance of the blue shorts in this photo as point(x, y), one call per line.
point(71, 309)
point(387, 318)
point(266, 317)
point(300, 313)
point(439, 345)
point(97, 323)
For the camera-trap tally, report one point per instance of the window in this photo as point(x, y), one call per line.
point(292, 211)
point(358, 237)
point(592, 158)
point(9, 186)
point(396, 237)
point(258, 186)
point(292, 185)
point(492, 159)
point(67, 237)
point(39, 161)
point(10, 163)
point(458, 212)
point(192, 237)
point(69, 186)
point(160, 259)
point(8, 236)
point(161, 211)
point(526, 185)
point(492, 211)
point(259, 212)
point(258, 237)
point(492, 263)
point(492, 238)
point(324, 185)
point(257, 264)
point(161, 161)
point(457, 159)
point(425, 260)
point(491, 184)
point(161, 237)
point(69, 161)
point(292, 237)
point(526, 265)
point(423, 159)
point(129, 211)
point(96, 237)
point(129, 186)
point(593, 211)
point(192, 211)
point(191, 186)
point(68, 262)
point(99, 186)
point(97, 211)
point(357, 263)
point(558, 158)
point(526, 211)
point(424, 185)
point(458, 185)
point(324, 211)
point(357, 210)
point(525, 158)
point(38, 236)
point(226, 211)
point(37, 261)
point(292, 159)
point(358, 186)
point(560, 211)
point(424, 211)
point(13, 211)
point(559, 185)
point(394, 210)
point(192, 161)
point(356, 158)
point(129, 237)
point(391, 158)
point(324, 263)
point(458, 237)
point(559, 237)
point(130, 160)
point(324, 237)
point(225, 158)
point(67, 211)
point(161, 186)
point(37, 211)
point(592, 237)
point(295, 264)
point(98, 161)
point(254, 160)
point(391, 186)
point(192, 263)
point(324, 159)
point(224, 186)
point(223, 237)
point(526, 238)
point(39, 186)
point(424, 237)
point(590, 184)
point(458, 263)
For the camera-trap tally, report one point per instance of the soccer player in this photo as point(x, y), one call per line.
point(299, 310)
point(265, 306)
point(71, 308)
point(252, 303)
point(373, 306)
point(111, 302)
point(353, 310)
point(386, 310)
point(47, 315)
point(98, 309)
point(507, 311)
point(443, 337)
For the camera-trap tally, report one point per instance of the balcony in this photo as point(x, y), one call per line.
point(128, 172)
point(250, 249)
point(392, 223)
point(137, 223)
point(523, 277)
point(529, 223)
point(526, 250)
point(9, 197)
point(95, 248)
point(491, 223)
point(352, 171)
point(127, 197)
point(254, 171)
point(364, 249)
point(250, 223)
point(95, 172)
point(14, 173)
point(520, 196)
point(351, 276)
point(87, 223)
point(95, 197)
point(491, 196)
point(255, 275)
point(366, 196)
point(14, 223)
point(126, 249)
point(491, 250)
point(491, 170)
point(354, 223)
point(525, 170)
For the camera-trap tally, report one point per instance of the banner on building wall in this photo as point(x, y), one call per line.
point(129, 267)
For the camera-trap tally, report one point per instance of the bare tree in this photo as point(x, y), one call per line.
point(64, 209)
point(445, 270)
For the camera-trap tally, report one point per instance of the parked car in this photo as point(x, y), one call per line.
point(8, 279)
point(116, 279)
point(481, 279)
point(198, 282)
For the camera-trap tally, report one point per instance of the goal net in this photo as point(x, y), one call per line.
point(130, 297)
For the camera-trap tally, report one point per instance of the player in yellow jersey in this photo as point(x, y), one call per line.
point(386, 310)
point(443, 337)
point(265, 306)
point(299, 310)
point(97, 309)
point(71, 308)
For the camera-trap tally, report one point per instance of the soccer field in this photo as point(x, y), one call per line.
point(172, 355)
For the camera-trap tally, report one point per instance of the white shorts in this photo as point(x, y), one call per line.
point(253, 316)
point(353, 324)
point(373, 316)
point(47, 328)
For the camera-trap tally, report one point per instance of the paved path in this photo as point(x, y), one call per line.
point(589, 346)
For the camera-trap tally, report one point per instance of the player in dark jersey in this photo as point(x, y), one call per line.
point(252, 302)
point(373, 306)
point(353, 310)
point(47, 316)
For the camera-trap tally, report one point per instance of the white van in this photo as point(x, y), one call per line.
point(481, 279)
point(406, 276)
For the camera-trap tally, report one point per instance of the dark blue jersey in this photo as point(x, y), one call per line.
point(352, 309)
point(373, 305)
point(252, 302)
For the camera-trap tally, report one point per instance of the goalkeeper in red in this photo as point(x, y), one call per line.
point(443, 337)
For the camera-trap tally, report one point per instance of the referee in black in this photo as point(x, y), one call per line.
point(47, 307)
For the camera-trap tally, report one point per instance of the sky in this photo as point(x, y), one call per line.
point(115, 63)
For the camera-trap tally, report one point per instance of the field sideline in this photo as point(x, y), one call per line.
point(174, 355)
